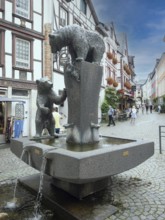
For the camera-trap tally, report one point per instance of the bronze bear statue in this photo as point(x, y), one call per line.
point(83, 45)
point(46, 97)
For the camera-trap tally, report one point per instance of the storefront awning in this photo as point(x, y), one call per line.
point(4, 99)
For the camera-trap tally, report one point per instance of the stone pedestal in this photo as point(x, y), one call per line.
point(83, 83)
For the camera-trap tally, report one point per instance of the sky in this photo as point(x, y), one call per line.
point(143, 21)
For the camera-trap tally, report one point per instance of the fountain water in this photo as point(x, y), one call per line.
point(79, 165)
point(37, 206)
point(13, 204)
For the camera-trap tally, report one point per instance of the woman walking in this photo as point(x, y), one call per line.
point(133, 115)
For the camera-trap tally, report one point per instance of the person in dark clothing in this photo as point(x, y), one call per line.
point(110, 115)
point(150, 108)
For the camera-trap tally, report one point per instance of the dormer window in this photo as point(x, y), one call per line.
point(83, 6)
point(63, 17)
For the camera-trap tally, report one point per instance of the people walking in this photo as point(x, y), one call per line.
point(133, 115)
point(143, 107)
point(151, 108)
point(147, 108)
point(159, 109)
point(110, 116)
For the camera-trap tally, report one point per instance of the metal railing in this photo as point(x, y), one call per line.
point(161, 132)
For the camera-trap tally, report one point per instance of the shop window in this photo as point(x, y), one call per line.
point(63, 21)
point(83, 6)
point(22, 8)
point(22, 53)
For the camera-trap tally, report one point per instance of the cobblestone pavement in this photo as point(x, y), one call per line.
point(139, 192)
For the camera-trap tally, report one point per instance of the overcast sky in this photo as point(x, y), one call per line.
point(144, 23)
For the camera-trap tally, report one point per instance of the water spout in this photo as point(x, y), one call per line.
point(37, 206)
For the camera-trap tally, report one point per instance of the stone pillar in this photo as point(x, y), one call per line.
point(83, 83)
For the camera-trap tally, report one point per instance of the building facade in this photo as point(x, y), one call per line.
point(21, 62)
point(160, 79)
point(26, 56)
point(126, 74)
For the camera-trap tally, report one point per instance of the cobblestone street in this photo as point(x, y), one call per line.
point(139, 192)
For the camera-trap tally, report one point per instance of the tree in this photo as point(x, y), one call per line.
point(111, 98)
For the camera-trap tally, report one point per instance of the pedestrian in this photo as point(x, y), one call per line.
point(57, 118)
point(159, 109)
point(143, 108)
point(151, 108)
point(133, 115)
point(147, 109)
point(111, 115)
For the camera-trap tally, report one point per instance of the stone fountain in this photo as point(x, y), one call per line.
point(80, 163)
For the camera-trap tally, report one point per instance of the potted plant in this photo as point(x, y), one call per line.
point(115, 84)
point(110, 80)
point(109, 55)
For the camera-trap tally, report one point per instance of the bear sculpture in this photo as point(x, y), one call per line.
point(46, 97)
point(82, 44)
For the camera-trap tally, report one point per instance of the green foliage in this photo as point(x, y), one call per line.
point(164, 99)
point(104, 107)
point(111, 97)
point(155, 100)
point(163, 108)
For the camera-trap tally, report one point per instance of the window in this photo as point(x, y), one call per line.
point(1, 4)
point(22, 8)
point(83, 6)
point(1, 47)
point(112, 33)
point(22, 53)
point(108, 47)
point(22, 75)
point(114, 55)
point(63, 17)
point(108, 72)
point(114, 75)
point(17, 92)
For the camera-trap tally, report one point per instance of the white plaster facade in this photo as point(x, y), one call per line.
point(21, 60)
point(160, 78)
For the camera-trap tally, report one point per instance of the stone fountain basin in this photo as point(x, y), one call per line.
point(82, 167)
